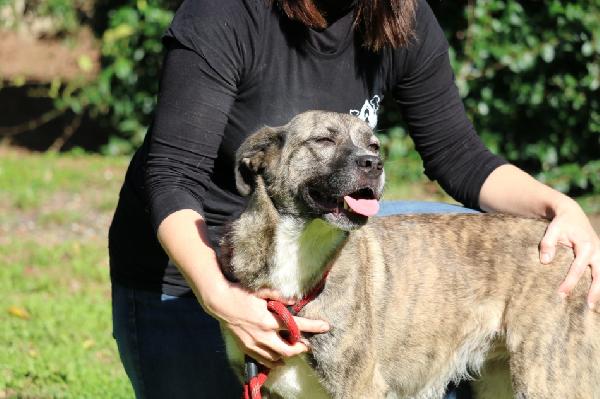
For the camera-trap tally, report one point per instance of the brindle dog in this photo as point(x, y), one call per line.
point(414, 301)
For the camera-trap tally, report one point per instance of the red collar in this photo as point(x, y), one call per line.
point(285, 314)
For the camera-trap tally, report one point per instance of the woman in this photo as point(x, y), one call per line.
point(233, 66)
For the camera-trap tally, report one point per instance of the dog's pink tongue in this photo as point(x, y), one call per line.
point(365, 207)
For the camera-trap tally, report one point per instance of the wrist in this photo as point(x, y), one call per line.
point(211, 290)
point(559, 204)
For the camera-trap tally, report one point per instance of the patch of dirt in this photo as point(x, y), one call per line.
point(77, 220)
point(28, 65)
point(80, 211)
point(32, 59)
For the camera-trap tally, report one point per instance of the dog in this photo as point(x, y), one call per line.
point(414, 301)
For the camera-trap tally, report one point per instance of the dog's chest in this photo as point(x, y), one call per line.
point(296, 380)
point(300, 254)
point(287, 274)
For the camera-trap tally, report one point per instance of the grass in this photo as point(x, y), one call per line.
point(55, 305)
point(27, 180)
point(55, 309)
point(56, 329)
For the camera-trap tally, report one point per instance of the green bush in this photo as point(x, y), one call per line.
point(124, 93)
point(529, 73)
point(533, 80)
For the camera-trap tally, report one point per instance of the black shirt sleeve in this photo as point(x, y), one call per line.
point(452, 152)
point(202, 68)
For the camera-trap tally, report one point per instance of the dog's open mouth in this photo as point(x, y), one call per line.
point(361, 202)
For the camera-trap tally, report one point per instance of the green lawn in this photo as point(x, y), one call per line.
point(55, 308)
point(55, 318)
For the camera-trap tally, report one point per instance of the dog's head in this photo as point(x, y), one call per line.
point(320, 165)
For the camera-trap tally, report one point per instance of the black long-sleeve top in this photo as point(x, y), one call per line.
point(233, 66)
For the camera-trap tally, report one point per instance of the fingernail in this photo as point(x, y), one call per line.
point(545, 258)
point(325, 327)
point(591, 305)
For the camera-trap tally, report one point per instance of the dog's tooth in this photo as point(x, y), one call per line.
point(346, 207)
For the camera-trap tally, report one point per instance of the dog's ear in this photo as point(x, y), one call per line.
point(255, 154)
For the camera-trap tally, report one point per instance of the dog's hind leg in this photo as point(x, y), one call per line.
point(554, 352)
point(567, 370)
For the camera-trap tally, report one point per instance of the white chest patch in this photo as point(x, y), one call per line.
point(301, 252)
point(296, 380)
point(300, 256)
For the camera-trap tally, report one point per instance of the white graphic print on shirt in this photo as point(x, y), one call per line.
point(368, 112)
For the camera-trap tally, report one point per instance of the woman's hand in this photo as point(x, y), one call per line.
point(571, 227)
point(255, 328)
point(184, 237)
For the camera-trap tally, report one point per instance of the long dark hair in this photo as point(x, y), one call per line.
point(380, 22)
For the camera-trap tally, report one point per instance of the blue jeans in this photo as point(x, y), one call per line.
point(171, 348)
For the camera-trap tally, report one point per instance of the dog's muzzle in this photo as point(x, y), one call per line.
point(370, 165)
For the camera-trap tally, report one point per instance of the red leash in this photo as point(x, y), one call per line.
point(255, 378)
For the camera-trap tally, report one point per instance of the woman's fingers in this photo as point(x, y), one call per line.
point(271, 353)
point(270, 349)
point(263, 342)
point(264, 356)
point(261, 345)
point(269, 322)
point(583, 252)
point(275, 343)
point(572, 228)
point(256, 329)
point(549, 242)
point(594, 293)
point(311, 326)
point(283, 349)
point(304, 325)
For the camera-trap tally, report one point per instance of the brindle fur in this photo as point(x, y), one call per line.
point(416, 301)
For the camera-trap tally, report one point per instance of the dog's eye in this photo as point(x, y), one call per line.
point(374, 147)
point(325, 141)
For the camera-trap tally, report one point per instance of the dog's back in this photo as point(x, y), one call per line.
point(413, 301)
point(434, 292)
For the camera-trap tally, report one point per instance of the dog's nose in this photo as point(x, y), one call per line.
point(370, 164)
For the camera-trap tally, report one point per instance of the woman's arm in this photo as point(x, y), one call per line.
point(454, 155)
point(509, 189)
point(183, 236)
point(452, 152)
point(202, 70)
